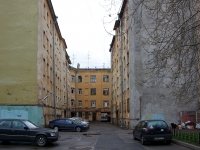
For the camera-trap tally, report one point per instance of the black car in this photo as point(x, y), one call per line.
point(25, 131)
point(152, 131)
point(67, 124)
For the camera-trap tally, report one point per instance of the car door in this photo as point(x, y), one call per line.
point(140, 130)
point(70, 124)
point(18, 131)
point(5, 128)
point(136, 130)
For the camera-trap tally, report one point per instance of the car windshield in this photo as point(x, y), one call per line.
point(160, 124)
point(30, 124)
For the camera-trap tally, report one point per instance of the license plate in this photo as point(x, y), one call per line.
point(159, 138)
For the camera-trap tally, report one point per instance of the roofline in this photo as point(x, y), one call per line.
point(112, 43)
point(122, 8)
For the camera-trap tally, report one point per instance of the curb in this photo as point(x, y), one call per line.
point(193, 147)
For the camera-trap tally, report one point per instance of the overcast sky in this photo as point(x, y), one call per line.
point(82, 27)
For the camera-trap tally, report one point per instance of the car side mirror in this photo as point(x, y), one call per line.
point(26, 128)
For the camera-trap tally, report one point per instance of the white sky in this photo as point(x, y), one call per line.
point(81, 25)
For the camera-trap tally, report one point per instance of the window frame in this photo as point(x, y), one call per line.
point(92, 91)
point(105, 78)
point(93, 102)
point(92, 78)
point(105, 91)
point(72, 102)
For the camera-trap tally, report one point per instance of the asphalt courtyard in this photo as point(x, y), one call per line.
point(100, 136)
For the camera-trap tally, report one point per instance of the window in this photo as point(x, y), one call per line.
point(72, 102)
point(79, 103)
point(79, 91)
point(93, 91)
point(92, 78)
point(105, 91)
point(72, 90)
point(5, 124)
point(79, 78)
point(105, 104)
point(18, 125)
point(72, 78)
point(105, 78)
point(93, 104)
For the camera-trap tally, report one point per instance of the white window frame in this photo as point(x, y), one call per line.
point(72, 78)
point(105, 91)
point(105, 78)
point(72, 90)
point(106, 104)
point(79, 91)
point(79, 103)
point(72, 102)
point(93, 103)
point(93, 78)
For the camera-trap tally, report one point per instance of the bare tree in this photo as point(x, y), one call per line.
point(171, 29)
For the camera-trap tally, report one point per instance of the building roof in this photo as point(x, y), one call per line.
point(122, 8)
point(111, 45)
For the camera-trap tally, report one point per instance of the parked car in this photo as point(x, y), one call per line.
point(152, 131)
point(25, 131)
point(67, 124)
point(81, 120)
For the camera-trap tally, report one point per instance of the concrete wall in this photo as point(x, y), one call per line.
point(149, 99)
point(32, 113)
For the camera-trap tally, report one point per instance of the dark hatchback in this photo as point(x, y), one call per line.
point(67, 124)
point(152, 131)
point(25, 131)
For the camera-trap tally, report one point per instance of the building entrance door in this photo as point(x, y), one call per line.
point(94, 116)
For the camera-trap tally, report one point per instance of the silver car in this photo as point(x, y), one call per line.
point(81, 120)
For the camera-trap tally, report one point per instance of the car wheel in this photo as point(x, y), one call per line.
point(78, 129)
point(56, 128)
point(41, 140)
point(142, 140)
point(134, 137)
point(169, 142)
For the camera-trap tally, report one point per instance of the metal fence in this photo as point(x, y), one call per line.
point(188, 136)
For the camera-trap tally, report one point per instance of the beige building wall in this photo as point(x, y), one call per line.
point(91, 96)
point(120, 70)
point(26, 78)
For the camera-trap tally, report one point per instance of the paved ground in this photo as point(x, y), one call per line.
point(100, 136)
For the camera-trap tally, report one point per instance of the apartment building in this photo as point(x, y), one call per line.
point(34, 62)
point(90, 93)
point(132, 98)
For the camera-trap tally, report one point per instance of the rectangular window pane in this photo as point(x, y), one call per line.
point(105, 104)
point(93, 91)
point(105, 78)
point(80, 103)
point(105, 91)
point(80, 91)
point(93, 104)
point(79, 78)
point(92, 78)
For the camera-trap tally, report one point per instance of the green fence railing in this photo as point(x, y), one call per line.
point(188, 136)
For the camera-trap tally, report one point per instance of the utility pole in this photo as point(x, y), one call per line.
point(76, 87)
point(54, 67)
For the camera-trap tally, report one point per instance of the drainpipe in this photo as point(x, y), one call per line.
point(121, 71)
point(54, 68)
